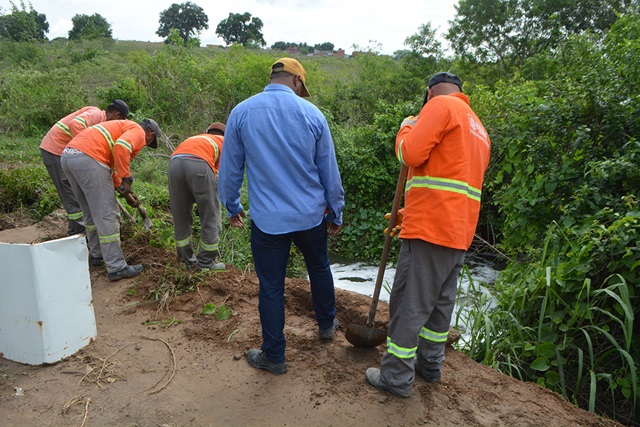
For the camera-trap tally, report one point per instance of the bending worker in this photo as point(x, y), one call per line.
point(57, 139)
point(446, 149)
point(295, 192)
point(192, 179)
point(96, 161)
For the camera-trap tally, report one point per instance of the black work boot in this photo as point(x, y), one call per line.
point(258, 359)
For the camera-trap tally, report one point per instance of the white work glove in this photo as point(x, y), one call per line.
point(410, 121)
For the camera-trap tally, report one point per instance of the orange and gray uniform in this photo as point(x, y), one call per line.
point(51, 149)
point(192, 179)
point(447, 152)
point(95, 162)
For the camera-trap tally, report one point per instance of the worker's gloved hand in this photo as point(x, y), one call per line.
point(396, 227)
point(132, 199)
point(124, 188)
point(410, 121)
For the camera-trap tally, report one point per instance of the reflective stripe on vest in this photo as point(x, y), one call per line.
point(64, 128)
point(400, 352)
point(90, 227)
point(106, 135)
point(82, 121)
point(207, 247)
point(434, 336)
point(184, 242)
point(215, 146)
point(444, 184)
point(75, 216)
point(110, 239)
point(125, 144)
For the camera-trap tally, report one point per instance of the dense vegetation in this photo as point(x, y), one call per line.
point(560, 201)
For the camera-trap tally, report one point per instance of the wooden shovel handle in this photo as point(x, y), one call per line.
point(387, 243)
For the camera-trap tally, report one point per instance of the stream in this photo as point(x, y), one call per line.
point(361, 278)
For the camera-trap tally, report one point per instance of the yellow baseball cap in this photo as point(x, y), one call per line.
point(293, 67)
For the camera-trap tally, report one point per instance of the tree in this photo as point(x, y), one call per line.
point(242, 29)
point(510, 31)
point(188, 18)
point(23, 25)
point(425, 42)
point(89, 27)
point(280, 45)
point(326, 47)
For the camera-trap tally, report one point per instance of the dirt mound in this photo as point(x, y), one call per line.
point(160, 361)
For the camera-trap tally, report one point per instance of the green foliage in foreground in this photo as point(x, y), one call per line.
point(553, 323)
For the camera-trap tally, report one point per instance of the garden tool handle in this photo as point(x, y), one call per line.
point(387, 242)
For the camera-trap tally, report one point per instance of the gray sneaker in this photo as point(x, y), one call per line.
point(328, 334)
point(125, 273)
point(374, 378)
point(259, 360)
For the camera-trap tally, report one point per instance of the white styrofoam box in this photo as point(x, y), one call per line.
point(46, 308)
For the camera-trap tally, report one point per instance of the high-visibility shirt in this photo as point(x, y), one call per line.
point(205, 146)
point(69, 127)
point(447, 151)
point(113, 143)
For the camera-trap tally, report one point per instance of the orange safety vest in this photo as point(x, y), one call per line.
point(206, 146)
point(447, 151)
point(113, 143)
point(69, 127)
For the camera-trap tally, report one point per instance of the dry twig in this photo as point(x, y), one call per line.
point(86, 412)
point(173, 372)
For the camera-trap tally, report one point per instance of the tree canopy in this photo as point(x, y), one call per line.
point(23, 25)
point(510, 31)
point(188, 18)
point(89, 27)
point(241, 28)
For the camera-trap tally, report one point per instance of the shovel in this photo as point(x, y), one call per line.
point(367, 336)
point(146, 221)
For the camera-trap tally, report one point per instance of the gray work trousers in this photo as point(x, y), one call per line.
point(93, 186)
point(420, 308)
point(68, 199)
point(191, 180)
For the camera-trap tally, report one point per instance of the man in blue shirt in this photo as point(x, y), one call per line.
point(295, 194)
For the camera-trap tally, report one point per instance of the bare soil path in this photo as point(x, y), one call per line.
point(177, 367)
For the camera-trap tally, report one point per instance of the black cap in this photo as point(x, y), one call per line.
point(444, 77)
point(121, 106)
point(151, 125)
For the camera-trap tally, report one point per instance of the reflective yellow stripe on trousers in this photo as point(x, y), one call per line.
point(184, 242)
point(207, 247)
point(434, 336)
point(75, 216)
point(401, 352)
point(110, 239)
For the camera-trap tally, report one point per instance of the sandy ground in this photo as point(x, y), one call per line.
point(167, 364)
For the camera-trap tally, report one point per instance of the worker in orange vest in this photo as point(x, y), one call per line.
point(192, 176)
point(446, 149)
point(96, 161)
point(57, 139)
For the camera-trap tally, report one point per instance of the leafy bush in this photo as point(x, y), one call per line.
point(29, 187)
point(31, 101)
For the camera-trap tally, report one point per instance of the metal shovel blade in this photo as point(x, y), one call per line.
point(146, 221)
point(365, 336)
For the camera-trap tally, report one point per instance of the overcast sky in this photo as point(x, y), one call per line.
point(365, 23)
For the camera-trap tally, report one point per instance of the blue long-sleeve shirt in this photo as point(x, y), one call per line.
point(285, 145)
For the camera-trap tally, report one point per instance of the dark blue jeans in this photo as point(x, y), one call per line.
point(270, 257)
